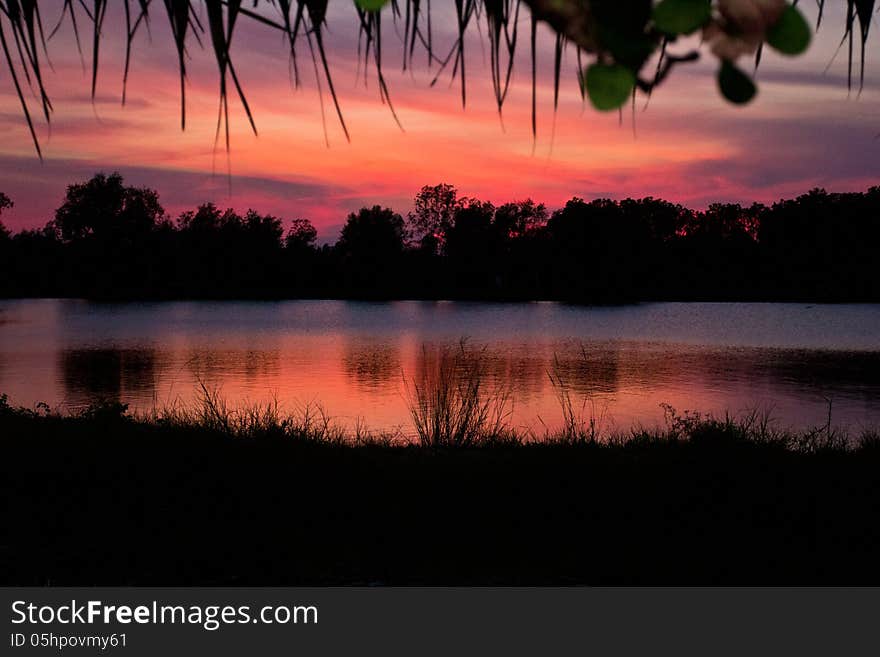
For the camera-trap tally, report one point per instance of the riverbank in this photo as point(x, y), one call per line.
point(101, 498)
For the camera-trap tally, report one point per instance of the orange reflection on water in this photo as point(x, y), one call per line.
point(358, 361)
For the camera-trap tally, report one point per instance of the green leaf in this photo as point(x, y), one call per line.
point(609, 85)
point(791, 35)
point(681, 16)
point(736, 86)
point(371, 5)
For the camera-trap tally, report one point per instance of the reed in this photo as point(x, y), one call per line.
point(218, 494)
point(452, 405)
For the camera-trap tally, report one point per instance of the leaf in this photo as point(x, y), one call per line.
point(681, 16)
point(371, 5)
point(791, 35)
point(735, 85)
point(609, 85)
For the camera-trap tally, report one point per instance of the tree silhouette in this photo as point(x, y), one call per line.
point(818, 246)
point(515, 219)
point(471, 236)
point(304, 267)
point(110, 229)
point(602, 250)
point(727, 221)
point(5, 204)
point(301, 236)
point(663, 221)
point(434, 209)
point(262, 232)
point(372, 234)
point(223, 252)
point(104, 208)
point(473, 246)
point(371, 246)
point(203, 222)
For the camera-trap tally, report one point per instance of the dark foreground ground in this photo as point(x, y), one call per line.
point(110, 501)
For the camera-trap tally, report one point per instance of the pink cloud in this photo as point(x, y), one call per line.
point(688, 146)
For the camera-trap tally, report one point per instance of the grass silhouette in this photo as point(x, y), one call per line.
point(219, 495)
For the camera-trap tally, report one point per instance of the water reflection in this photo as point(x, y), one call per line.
point(532, 375)
point(821, 370)
point(355, 358)
point(89, 375)
point(251, 365)
point(594, 370)
point(372, 364)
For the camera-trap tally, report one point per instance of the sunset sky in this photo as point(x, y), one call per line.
point(803, 130)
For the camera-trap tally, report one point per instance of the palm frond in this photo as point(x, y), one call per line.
point(574, 22)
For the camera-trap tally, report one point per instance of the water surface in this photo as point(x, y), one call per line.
point(620, 363)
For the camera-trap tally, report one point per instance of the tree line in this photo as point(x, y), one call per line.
point(111, 240)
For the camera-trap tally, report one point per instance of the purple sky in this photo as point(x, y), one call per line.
point(803, 130)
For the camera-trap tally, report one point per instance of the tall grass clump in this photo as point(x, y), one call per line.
point(213, 413)
point(452, 405)
point(583, 421)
